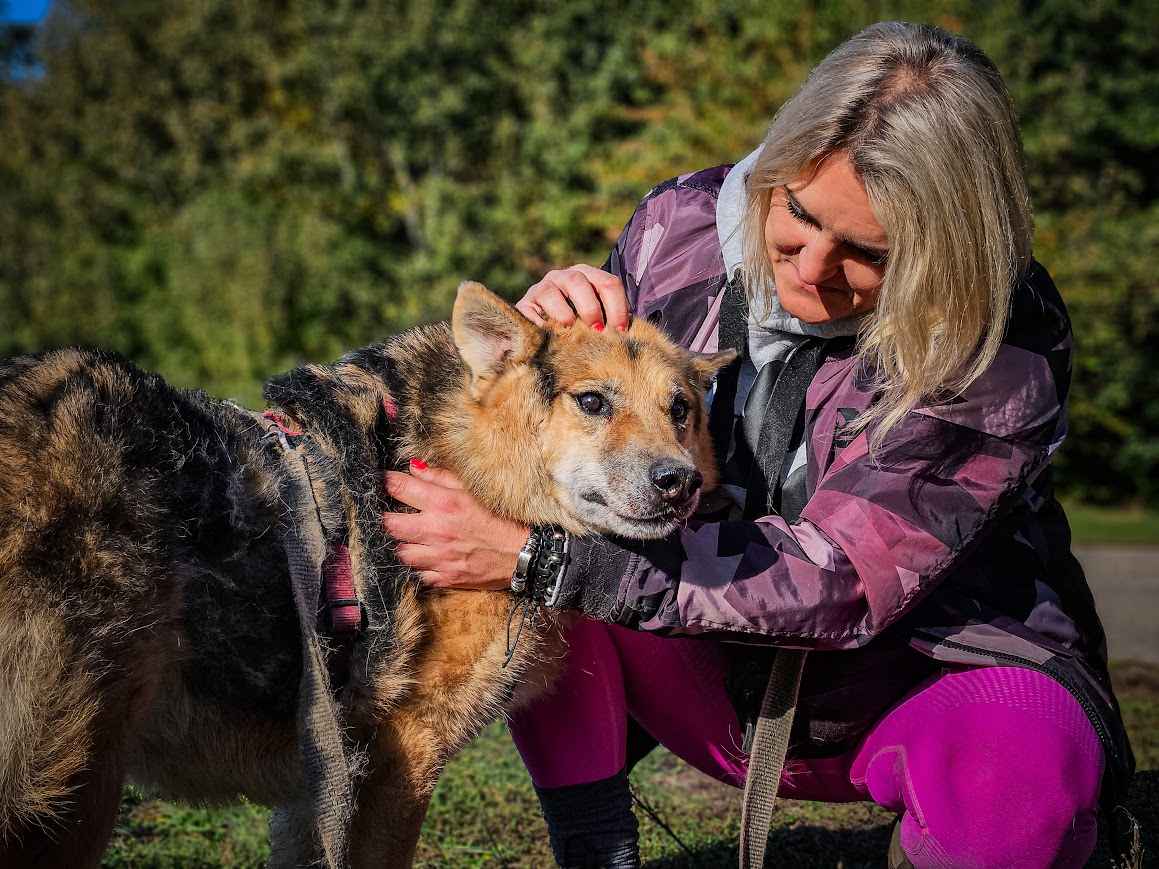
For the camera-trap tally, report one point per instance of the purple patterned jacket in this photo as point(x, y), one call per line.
point(946, 548)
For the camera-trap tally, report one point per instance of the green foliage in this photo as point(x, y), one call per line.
point(1103, 259)
point(221, 189)
point(1084, 77)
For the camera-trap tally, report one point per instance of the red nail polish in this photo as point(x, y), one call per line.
point(621, 328)
point(599, 327)
point(418, 464)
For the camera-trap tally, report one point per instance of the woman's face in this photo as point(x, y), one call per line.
point(827, 249)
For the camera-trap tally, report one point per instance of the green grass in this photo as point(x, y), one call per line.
point(1092, 525)
point(152, 834)
point(484, 813)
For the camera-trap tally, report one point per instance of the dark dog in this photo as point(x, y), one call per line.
point(147, 628)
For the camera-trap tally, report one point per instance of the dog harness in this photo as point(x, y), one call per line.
point(345, 615)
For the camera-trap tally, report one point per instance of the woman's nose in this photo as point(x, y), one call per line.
point(818, 261)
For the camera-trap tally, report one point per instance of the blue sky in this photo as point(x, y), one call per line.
point(24, 10)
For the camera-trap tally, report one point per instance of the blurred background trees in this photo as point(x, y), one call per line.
point(222, 188)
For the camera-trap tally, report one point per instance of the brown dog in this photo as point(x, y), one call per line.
point(147, 629)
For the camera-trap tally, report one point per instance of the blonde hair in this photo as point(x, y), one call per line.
point(928, 125)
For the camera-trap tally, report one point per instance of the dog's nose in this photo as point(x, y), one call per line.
point(675, 482)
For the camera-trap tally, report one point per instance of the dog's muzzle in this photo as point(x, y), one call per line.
point(675, 482)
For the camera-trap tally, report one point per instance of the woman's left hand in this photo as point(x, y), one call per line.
point(452, 541)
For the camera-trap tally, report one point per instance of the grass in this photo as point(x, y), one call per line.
point(484, 813)
point(152, 834)
point(1092, 525)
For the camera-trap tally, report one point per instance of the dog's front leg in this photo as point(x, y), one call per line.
point(405, 761)
point(386, 830)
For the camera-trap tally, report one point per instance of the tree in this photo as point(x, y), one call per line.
point(222, 189)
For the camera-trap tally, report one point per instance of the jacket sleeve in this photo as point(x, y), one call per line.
point(878, 533)
point(668, 255)
point(626, 250)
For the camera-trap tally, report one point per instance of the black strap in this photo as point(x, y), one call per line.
point(734, 316)
point(733, 334)
point(772, 413)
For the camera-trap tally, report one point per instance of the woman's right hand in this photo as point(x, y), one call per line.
point(596, 296)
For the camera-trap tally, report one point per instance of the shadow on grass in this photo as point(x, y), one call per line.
point(802, 847)
point(813, 847)
point(1143, 801)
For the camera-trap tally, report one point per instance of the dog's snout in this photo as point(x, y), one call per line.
point(675, 481)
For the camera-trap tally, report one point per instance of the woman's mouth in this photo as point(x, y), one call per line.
point(817, 289)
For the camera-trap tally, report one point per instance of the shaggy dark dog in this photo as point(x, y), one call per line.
point(147, 629)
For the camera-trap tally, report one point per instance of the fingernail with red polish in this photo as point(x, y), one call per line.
point(418, 464)
point(599, 327)
point(621, 328)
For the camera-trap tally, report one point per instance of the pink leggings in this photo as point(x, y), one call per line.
point(995, 766)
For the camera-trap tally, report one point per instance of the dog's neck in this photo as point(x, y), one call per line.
point(412, 397)
point(493, 449)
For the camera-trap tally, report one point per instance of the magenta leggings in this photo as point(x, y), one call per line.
point(994, 766)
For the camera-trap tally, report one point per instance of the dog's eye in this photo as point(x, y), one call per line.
point(679, 410)
point(592, 403)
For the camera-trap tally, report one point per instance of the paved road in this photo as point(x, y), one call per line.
point(1125, 582)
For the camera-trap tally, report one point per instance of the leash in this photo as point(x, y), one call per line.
point(770, 745)
point(329, 783)
point(767, 758)
point(523, 606)
point(345, 613)
point(659, 822)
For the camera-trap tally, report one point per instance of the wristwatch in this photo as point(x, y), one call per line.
point(540, 564)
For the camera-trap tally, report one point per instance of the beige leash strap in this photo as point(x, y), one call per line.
point(329, 785)
point(770, 744)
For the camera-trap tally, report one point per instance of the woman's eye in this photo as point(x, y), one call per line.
point(679, 411)
point(873, 257)
point(592, 403)
point(795, 209)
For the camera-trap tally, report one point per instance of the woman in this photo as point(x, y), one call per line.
point(887, 440)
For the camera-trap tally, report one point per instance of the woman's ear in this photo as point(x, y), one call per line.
point(490, 334)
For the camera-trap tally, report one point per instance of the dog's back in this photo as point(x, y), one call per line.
point(64, 455)
point(110, 479)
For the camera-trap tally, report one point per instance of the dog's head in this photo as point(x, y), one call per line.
point(601, 432)
point(611, 426)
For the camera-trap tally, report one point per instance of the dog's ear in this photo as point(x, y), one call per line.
point(490, 333)
point(706, 365)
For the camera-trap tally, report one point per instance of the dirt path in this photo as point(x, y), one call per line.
point(1125, 582)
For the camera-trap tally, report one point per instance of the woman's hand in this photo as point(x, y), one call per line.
point(452, 541)
point(598, 298)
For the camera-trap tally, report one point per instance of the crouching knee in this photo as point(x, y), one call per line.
point(1012, 791)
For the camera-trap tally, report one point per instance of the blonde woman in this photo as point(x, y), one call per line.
point(886, 442)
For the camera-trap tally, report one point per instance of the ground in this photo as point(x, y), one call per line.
point(484, 813)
